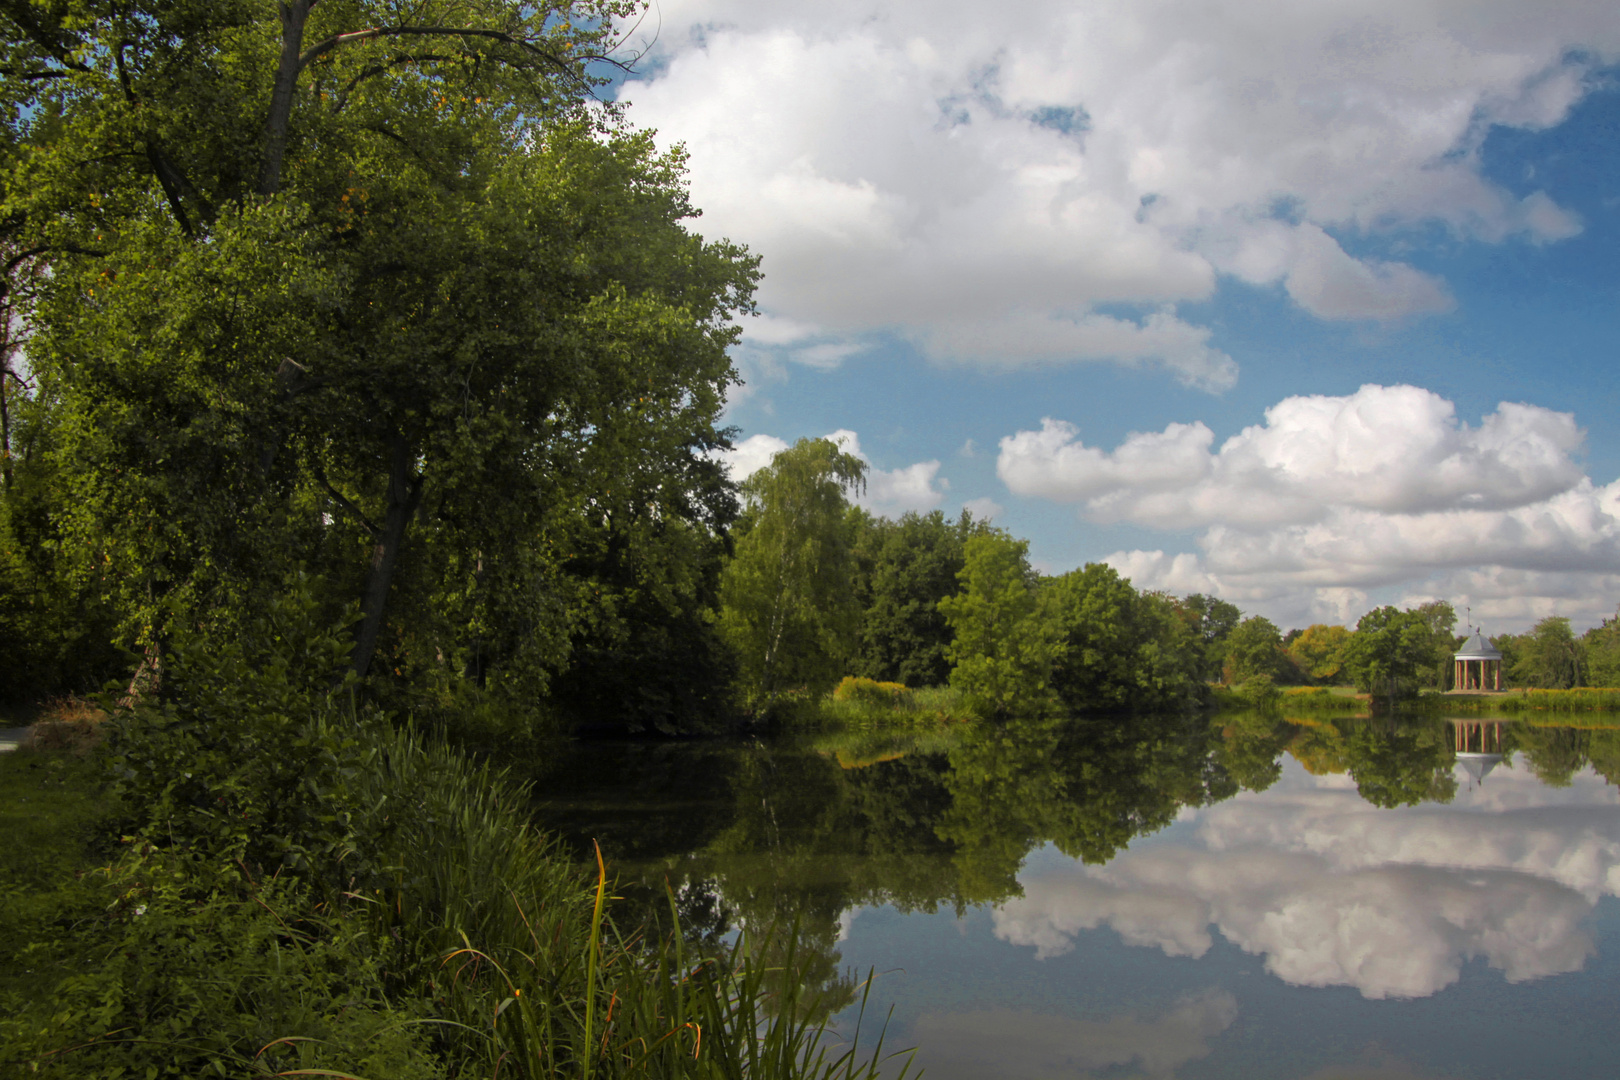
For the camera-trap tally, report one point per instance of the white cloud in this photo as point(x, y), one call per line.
point(980, 179)
point(890, 492)
point(1334, 892)
point(1335, 496)
point(985, 509)
point(751, 455)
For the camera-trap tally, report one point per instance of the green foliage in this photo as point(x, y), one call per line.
point(1005, 640)
point(1121, 649)
point(1548, 657)
point(1254, 649)
point(1435, 668)
point(251, 753)
point(1211, 621)
point(383, 926)
point(433, 329)
point(1400, 763)
point(1318, 652)
point(1577, 700)
point(906, 568)
point(197, 973)
point(871, 692)
point(789, 606)
point(1600, 652)
point(1387, 650)
point(1318, 699)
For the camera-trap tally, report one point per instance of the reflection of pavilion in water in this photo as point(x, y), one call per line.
point(1486, 735)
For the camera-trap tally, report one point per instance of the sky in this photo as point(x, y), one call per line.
point(1313, 307)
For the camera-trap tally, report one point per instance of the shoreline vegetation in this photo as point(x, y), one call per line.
point(259, 877)
point(359, 474)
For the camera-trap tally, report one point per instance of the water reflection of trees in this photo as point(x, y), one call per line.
point(802, 832)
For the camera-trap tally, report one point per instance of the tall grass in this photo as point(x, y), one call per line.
point(860, 702)
point(529, 969)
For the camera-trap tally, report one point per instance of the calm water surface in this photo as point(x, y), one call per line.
point(1243, 897)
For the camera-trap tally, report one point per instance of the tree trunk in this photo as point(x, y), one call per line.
point(294, 14)
point(404, 495)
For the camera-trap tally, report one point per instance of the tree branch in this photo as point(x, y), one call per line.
point(350, 508)
point(438, 31)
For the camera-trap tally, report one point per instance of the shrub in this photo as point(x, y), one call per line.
point(871, 692)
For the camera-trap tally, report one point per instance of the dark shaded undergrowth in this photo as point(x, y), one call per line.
point(256, 876)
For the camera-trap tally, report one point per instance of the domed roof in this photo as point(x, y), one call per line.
point(1477, 648)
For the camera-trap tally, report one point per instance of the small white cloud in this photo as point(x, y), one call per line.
point(751, 455)
point(1330, 284)
point(985, 509)
point(916, 487)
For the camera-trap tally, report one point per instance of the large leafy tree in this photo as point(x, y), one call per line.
point(1005, 638)
point(1120, 649)
point(1600, 653)
point(1548, 656)
point(788, 596)
point(907, 567)
point(366, 285)
point(1318, 651)
point(1254, 648)
point(1387, 650)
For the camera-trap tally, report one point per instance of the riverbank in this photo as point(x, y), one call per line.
point(259, 876)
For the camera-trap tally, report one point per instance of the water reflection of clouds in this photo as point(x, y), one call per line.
point(1015, 1044)
point(1334, 892)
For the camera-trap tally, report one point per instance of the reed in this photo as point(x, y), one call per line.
point(529, 971)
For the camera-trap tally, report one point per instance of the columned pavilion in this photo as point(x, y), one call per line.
point(1479, 665)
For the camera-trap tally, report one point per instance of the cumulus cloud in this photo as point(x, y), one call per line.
point(891, 492)
point(982, 179)
point(1333, 892)
point(751, 455)
point(1333, 496)
point(1010, 1043)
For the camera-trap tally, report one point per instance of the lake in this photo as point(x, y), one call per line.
point(1241, 896)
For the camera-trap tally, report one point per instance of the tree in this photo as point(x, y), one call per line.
point(1441, 619)
point(1120, 649)
point(1210, 620)
point(1548, 657)
point(788, 603)
point(1318, 652)
point(1600, 653)
point(1384, 653)
point(908, 567)
point(1254, 648)
point(1005, 639)
point(365, 288)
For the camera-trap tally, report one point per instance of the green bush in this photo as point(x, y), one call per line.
point(193, 971)
point(308, 887)
point(871, 692)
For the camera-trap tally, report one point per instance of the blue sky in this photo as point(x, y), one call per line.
point(1228, 295)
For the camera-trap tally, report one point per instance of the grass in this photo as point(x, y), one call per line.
point(50, 816)
point(497, 952)
point(921, 707)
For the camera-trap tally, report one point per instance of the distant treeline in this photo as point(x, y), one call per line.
point(764, 597)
